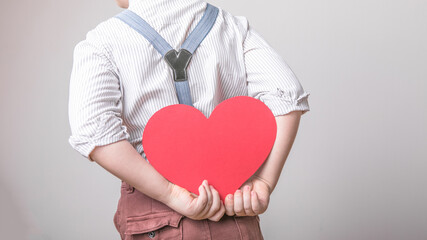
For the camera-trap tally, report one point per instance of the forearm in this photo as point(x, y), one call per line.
point(123, 161)
point(287, 127)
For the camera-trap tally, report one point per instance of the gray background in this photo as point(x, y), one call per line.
point(358, 166)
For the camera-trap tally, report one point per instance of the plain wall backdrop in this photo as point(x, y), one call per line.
point(358, 166)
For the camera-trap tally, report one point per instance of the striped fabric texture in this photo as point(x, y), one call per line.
point(119, 80)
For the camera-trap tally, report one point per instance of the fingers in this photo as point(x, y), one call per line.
point(216, 202)
point(202, 199)
point(209, 192)
point(209, 202)
point(244, 203)
point(229, 205)
point(238, 203)
point(218, 215)
point(247, 206)
point(256, 206)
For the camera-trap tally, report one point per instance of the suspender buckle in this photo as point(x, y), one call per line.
point(178, 61)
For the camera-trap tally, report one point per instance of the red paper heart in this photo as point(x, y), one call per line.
point(226, 149)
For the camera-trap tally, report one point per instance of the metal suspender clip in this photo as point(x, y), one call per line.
point(178, 61)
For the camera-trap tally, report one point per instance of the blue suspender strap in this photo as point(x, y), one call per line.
point(183, 92)
point(178, 61)
point(141, 26)
point(202, 29)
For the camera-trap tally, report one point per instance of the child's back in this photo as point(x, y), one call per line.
point(119, 80)
point(231, 61)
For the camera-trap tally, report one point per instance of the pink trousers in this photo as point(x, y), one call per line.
point(141, 217)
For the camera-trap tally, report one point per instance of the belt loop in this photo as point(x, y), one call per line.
point(129, 188)
point(207, 230)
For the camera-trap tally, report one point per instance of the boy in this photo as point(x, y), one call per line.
point(119, 81)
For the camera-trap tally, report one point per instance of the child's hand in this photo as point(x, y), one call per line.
point(206, 205)
point(251, 199)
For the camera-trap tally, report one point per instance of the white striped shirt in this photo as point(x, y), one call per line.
point(119, 80)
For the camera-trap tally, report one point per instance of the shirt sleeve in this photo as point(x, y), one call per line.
point(269, 77)
point(95, 105)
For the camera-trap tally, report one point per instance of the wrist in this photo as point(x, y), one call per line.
point(165, 197)
point(267, 183)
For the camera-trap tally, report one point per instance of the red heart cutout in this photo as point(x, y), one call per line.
point(226, 149)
